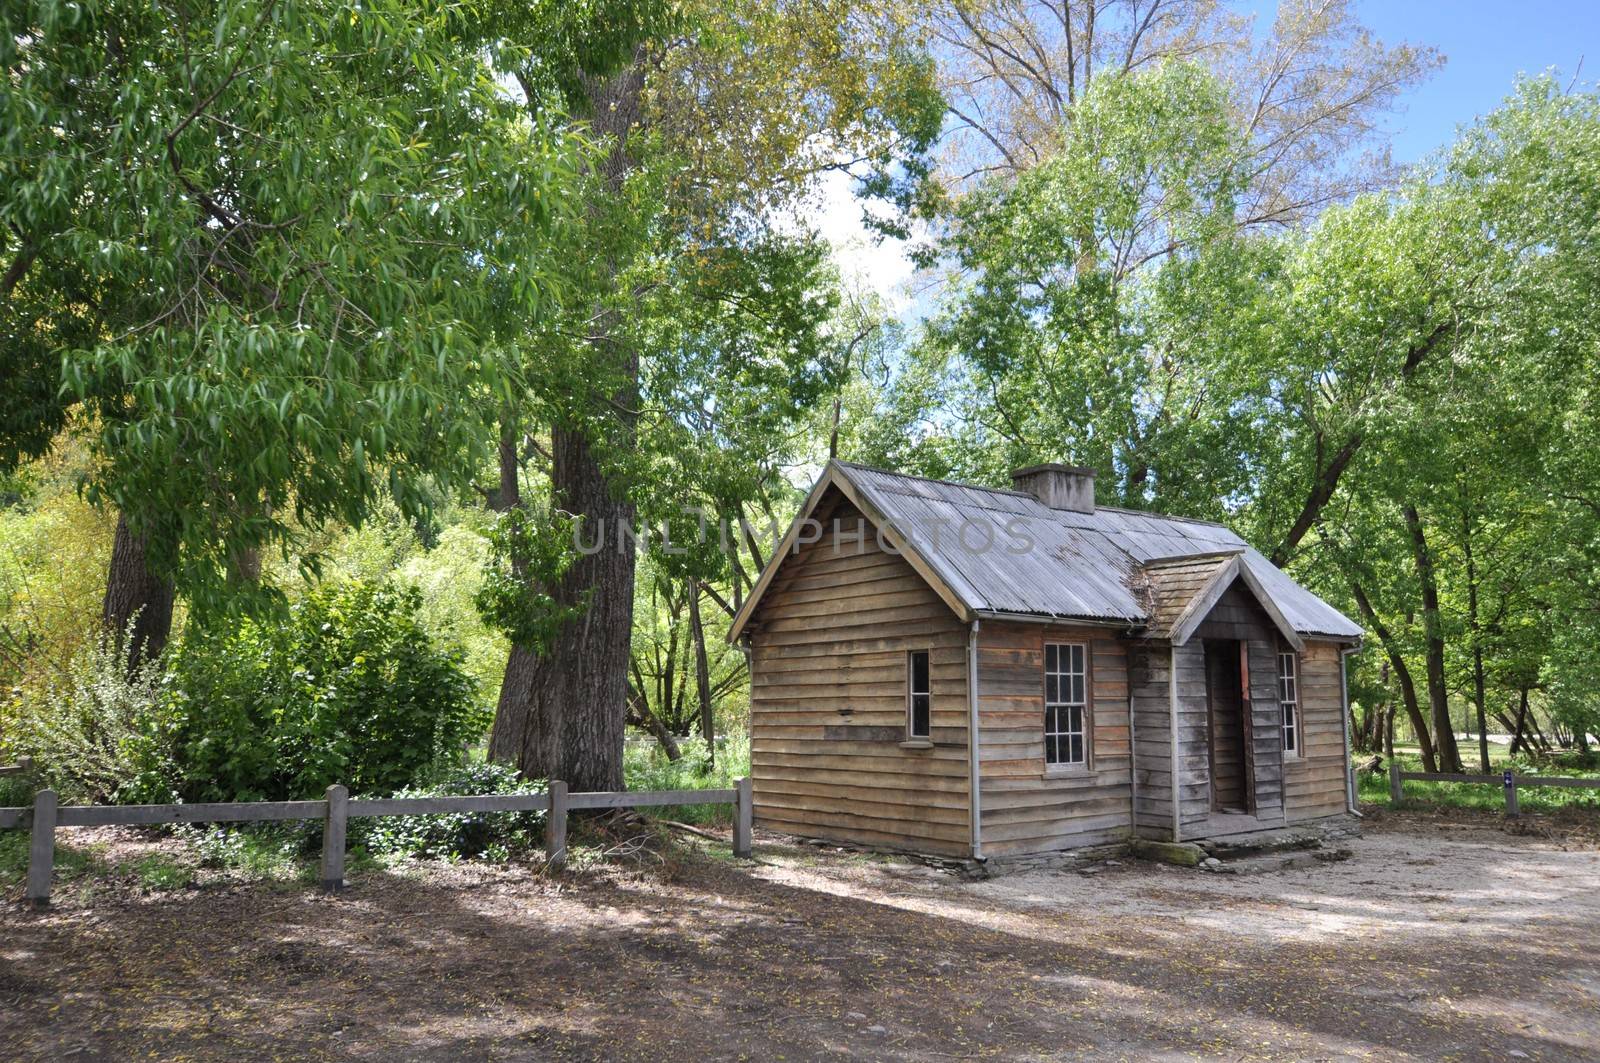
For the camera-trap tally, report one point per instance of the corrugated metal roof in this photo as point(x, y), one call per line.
point(1006, 552)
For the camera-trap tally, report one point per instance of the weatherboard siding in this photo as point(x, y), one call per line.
point(1314, 783)
point(1027, 807)
point(828, 698)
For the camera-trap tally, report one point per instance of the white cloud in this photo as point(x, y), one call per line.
point(875, 262)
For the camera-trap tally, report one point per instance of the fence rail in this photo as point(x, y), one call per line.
point(1509, 781)
point(21, 767)
point(336, 809)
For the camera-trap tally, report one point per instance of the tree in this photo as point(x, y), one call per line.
point(708, 127)
point(1304, 94)
point(1084, 324)
point(259, 253)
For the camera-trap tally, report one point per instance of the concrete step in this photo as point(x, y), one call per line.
point(1282, 860)
point(1277, 840)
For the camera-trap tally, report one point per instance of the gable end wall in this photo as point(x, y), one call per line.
point(828, 684)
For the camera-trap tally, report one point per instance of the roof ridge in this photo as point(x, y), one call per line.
point(1024, 494)
point(1170, 516)
point(935, 480)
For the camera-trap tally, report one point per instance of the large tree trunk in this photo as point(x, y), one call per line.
point(1433, 634)
point(1402, 673)
point(562, 712)
point(138, 601)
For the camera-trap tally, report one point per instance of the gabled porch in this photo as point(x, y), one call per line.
point(1206, 680)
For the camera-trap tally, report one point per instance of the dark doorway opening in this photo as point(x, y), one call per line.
point(1228, 726)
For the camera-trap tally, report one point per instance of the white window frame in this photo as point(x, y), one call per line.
point(1066, 706)
point(1289, 704)
point(912, 694)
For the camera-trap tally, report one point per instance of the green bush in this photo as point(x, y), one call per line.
point(492, 836)
point(86, 727)
point(349, 689)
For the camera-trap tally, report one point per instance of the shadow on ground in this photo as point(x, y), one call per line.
point(804, 955)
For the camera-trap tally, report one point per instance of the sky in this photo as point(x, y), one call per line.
point(1486, 44)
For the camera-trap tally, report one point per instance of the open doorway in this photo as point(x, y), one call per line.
point(1228, 725)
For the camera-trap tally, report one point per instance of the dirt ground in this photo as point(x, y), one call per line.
point(1438, 939)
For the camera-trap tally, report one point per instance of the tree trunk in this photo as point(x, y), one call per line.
point(1517, 739)
point(509, 494)
point(1540, 743)
point(702, 675)
point(1402, 672)
point(561, 714)
point(1433, 632)
point(1475, 632)
point(639, 708)
point(138, 602)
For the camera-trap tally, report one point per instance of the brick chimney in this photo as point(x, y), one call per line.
point(1058, 486)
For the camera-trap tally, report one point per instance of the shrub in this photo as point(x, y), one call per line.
point(86, 728)
point(350, 689)
point(493, 836)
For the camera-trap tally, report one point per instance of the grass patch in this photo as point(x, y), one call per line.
point(161, 872)
point(70, 863)
point(1484, 796)
point(646, 767)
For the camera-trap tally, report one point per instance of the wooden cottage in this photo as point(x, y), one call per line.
point(1125, 674)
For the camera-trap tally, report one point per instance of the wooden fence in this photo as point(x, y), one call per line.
point(337, 807)
point(1510, 781)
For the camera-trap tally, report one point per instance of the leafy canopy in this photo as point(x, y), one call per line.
point(266, 253)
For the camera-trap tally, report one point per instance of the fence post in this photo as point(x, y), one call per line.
point(742, 815)
point(42, 848)
point(555, 828)
point(1511, 793)
point(1394, 781)
point(333, 830)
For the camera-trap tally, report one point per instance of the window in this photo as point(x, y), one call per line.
point(1289, 702)
point(919, 700)
point(1065, 703)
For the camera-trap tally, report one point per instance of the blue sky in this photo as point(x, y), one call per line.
point(1485, 44)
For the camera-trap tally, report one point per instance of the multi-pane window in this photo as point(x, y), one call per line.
point(1289, 702)
point(919, 700)
point(1065, 703)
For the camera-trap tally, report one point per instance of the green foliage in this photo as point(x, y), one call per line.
point(86, 728)
point(265, 253)
point(491, 836)
point(349, 689)
point(279, 852)
point(54, 550)
point(529, 554)
point(1081, 332)
point(646, 767)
